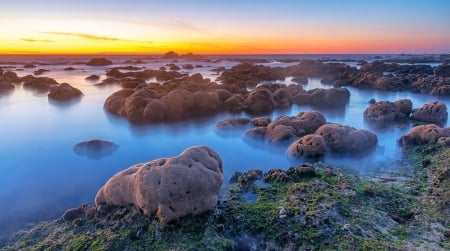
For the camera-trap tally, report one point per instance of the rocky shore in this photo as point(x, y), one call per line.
point(308, 207)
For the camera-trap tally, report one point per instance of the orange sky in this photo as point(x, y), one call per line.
point(328, 26)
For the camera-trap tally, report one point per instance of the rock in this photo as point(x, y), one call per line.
point(231, 123)
point(188, 67)
point(99, 62)
point(443, 90)
point(95, 149)
point(424, 134)
point(434, 112)
point(169, 187)
point(442, 70)
point(384, 113)
point(40, 84)
point(248, 178)
point(11, 77)
point(64, 92)
point(260, 101)
point(69, 69)
point(29, 66)
point(323, 97)
point(372, 101)
point(300, 80)
point(5, 85)
point(261, 121)
point(343, 138)
point(310, 146)
point(40, 71)
point(93, 77)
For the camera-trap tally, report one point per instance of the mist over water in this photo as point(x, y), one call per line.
point(41, 175)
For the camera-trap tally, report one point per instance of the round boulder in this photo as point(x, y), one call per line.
point(310, 146)
point(343, 138)
point(433, 112)
point(169, 187)
point(64, 92)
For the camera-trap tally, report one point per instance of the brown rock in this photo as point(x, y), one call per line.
point(424, 134)
point(64, 92)
point(310, 146)
point(433, 112)
point(99, 62)
point(260, 101)
point(170, 187)
point(343, 138)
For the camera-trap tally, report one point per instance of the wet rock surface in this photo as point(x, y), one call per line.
point(99, 62)
point(384, 113)
point(424, 134)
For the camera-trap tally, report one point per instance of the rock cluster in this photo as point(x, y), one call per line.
point(335, 138)
point(169, 187)
point(99, 62)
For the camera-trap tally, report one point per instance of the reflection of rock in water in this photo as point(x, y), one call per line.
point(95, 149)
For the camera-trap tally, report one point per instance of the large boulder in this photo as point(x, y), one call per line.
point(310, 146)
point(434, 112)
point(260, 101)
point(343, 138)
point(383, 113)
point(170, 188)
point(99, 62)
point(12, 77)
point(64, 92)
point(424, 134)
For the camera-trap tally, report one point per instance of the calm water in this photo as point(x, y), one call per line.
point(41, 176)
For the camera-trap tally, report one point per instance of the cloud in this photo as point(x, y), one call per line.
point(188, 26)
point(92, 37)
point(36, 40)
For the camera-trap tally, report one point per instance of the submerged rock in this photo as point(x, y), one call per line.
point(95, 149)
point(169, 187)
point(64, 92)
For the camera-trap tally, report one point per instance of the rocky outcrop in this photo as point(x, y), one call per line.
point(424, 134)
point(434, 112)
point(384, 113)
point(169, 188)
point(260, 101)
point(95, 149)
point(346, 139)
point(11, 77)
point(323, 97)
point(99, 62)
point(442, 70)
point(64, 92)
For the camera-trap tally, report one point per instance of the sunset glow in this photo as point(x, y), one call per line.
point(243, 27)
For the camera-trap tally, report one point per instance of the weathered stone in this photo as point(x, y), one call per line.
point(424, 134)
point(433, 112)
point(310, 146)
point(64, 92)
point(168, 187)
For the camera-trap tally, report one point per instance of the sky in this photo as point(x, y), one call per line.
point(225, 27)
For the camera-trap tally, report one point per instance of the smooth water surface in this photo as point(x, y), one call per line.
point(41, 176)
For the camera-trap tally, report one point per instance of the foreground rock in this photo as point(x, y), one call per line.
point(5, 85)
point(424, 134)
point(170, 187)
point(64, 92)
point(95, 149)
point(433, 112)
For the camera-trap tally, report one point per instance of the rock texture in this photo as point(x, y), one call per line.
point(64, 92)
point(434, 112)
point(424, 134)
point(169, 187)
point(5, 85)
